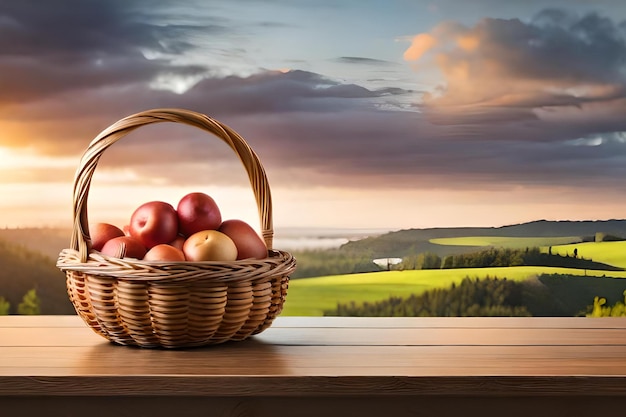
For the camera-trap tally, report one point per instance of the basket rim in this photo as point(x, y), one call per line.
point(130, 269)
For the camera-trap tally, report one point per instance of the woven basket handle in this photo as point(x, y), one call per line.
point(89, 161)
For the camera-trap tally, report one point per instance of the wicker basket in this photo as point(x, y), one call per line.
point(173, 304)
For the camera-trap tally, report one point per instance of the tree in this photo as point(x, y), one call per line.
point(4, 307)
point(600, 309)
point(30, 304)
point(431, 261)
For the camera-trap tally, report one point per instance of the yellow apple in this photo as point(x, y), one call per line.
point(209, 245)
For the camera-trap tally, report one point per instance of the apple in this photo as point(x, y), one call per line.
point(178, 242)
point(124, 247)
point(209, 245)
point(197, 212)
point(164, 252)
point(249, 244)
point(100, 233)
point(154, 223)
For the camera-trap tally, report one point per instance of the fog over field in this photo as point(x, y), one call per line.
point(301, 238)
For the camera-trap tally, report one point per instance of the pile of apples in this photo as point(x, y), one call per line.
point(194, 231)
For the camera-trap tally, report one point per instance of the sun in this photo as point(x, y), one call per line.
point(7, 158)
point(29, 158)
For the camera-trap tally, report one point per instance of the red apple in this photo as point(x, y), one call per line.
point(154, 223)
point(164, 252)
point(101, 233)
point(209, 245)
point(178, 242)
point(124, 247)
point(197, 212)
point(126, 229)
point(249, 243)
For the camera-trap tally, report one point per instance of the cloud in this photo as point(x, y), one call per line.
point(420, 44)
point(75, 44)
point(64, 125)
point(363, 60)
point(557, 59)
point(509, 115)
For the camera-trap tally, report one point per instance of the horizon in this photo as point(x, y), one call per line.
point(320, 238)
point(397, 115)
point(324, 231)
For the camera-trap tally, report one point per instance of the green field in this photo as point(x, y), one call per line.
point(612, 253)
point(311, 296)
point(506, 242)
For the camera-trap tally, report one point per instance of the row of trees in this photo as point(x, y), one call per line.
point(500, 257)
point(472, 297)
point(316, 263)
point(30, 304)
point(425, 260)
point(337, 261)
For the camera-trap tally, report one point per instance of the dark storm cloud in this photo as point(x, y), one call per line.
point(54, 46)
point(560, 45)
point(84, 27)
point(281, 92)
point(65, 126)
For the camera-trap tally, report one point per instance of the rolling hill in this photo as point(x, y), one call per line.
point(403, 242)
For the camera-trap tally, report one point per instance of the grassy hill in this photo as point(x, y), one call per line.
point(506, 241)
point(404, 242)
point(311, 296)
point(612, 253)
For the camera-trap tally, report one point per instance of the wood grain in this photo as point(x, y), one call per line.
point(372, 322)
point(254, 359)
point(325, 364)
point(358, 336)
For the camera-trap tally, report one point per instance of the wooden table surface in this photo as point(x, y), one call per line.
point(323, 366)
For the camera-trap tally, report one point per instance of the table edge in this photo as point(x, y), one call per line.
point(290, 386)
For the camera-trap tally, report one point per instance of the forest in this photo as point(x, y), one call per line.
point(30, 283)
point(550, 295)
point(473, 297)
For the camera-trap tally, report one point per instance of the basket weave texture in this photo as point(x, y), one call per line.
point(173, 304)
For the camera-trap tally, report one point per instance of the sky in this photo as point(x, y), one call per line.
point(365, 114)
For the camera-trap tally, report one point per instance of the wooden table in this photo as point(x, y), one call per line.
point(56, 366)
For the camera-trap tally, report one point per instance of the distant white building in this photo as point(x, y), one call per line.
point(387, 262)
